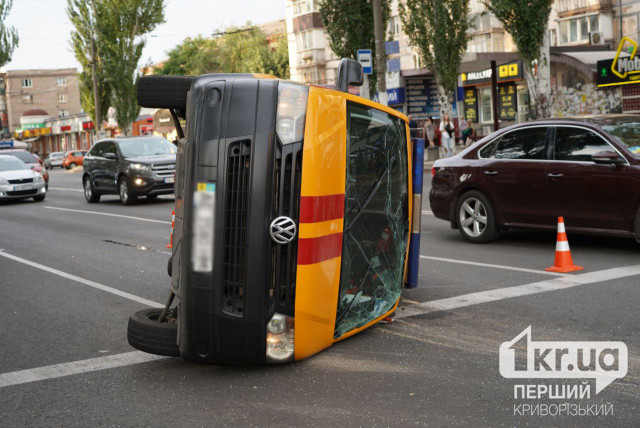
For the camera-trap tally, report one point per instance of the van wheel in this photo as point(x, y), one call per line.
point(89, 194)
point(475, 218)
point(125, 192)
point(146, 334)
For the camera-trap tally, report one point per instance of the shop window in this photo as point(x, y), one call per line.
point(61, 81)
point(63, 98)
point(305, 40)
point(27, 83)
point(486, 109)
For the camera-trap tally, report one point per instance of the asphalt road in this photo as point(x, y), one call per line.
point(65, 270)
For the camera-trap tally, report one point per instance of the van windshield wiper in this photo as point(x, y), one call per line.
point(369, 194)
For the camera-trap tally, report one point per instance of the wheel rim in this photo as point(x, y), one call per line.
point(473, 217)
point(124, 194)
point(87, 188)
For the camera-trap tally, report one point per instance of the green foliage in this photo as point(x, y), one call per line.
point(236, 50)
point(526, 21)
point(121, 26)
point(8, 35)
point(80, 13)
point(438, 29)
point(349, 24)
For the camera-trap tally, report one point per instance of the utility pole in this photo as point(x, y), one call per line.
point(94, 73)
point(381, 63)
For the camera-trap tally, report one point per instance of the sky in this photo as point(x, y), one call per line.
point(44, 29)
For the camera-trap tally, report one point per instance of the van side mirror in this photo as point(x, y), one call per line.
point(607, 157)
point(349, 74)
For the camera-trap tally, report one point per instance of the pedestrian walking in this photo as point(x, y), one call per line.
point(447, 135)
point(430, 132)
point(464, 126)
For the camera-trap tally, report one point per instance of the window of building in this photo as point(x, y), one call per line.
point(576, 30)
point(305, 40)
point(27, 99)
point(304, 6)
point(485, 101)
point(63, 113)
point(310, 76)
point(27, 83)
point(63, 98)
point(394, 26)
point(61, 81)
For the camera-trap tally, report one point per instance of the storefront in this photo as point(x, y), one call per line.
point(67, 133)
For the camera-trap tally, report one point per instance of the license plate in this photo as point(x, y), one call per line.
point(170, 180)
point(21, 187)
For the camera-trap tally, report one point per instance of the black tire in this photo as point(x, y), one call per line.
point(89, 192)
point(471, 209)
point(170, 266)
point(124, 191)
point(148, 335)
point(72, 165)
point(39, 198)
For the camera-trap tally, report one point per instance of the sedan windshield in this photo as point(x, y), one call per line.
point(11, 163)
point(24, 156)
point(146, 147)
point(628, 134)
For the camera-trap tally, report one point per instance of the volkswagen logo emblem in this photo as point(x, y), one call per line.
point(282, 230)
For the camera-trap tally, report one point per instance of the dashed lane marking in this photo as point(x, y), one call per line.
point(108, 214)
point(488, 296)
point(83, 281)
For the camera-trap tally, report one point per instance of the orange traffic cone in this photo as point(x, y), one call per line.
point(173, 221)
point(564, 262)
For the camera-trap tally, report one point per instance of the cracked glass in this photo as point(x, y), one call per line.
point(376, 221)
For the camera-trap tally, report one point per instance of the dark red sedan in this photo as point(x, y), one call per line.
point(586, 169)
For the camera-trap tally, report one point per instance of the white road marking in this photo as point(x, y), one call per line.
point(66, 189)
point(108, 214)
point(83, 281)
point(75, 367)
point(427, 212)
point(517, 291)
point(464, 262)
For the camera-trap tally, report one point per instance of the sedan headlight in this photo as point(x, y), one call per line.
point(38, 179)
point(3, 181)
point(141, 166)
point(280, 336)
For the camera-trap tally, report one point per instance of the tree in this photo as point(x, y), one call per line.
point(438, 29)
point(349, 24)
point(527, 21)
point(85, 48)
point(234, 50)
point(121, 26)
point(8, 34)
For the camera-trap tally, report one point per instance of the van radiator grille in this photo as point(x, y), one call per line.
point(235, 244)
point(286, 202)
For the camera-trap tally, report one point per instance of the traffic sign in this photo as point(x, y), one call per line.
point(365, 59)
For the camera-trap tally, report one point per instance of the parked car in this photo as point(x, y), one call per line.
point(19, 181)
point(586, 169)
point(31, 161)
point(73, 159)
point(129, 167)
point(54, 160)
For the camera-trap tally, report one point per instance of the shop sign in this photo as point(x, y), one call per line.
point(471, 104)
point(620, 71)
point(507, 102)
point(509, 72)
point(88, 125)
point(422, 99)
point(6, 144)
point(65, 128)
point(33, 125)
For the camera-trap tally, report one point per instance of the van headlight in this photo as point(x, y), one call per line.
point(280, 335)
point(292, 112)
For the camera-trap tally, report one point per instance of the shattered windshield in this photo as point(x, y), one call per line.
point(376, 220)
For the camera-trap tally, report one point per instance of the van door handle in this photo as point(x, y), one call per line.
point(491, 172)
point(555, 175)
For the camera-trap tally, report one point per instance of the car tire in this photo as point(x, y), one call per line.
point(146, 334)
point(475, 218)
point(39, 198)
point(124, 191)
point(72, 165)
point(89, 192)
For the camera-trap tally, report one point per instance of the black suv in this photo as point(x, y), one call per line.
point(129, 167)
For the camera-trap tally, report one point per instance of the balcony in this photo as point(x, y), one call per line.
point(575, 7)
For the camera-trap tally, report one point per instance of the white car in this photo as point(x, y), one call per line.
point(18, 181)
point(54, 160)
